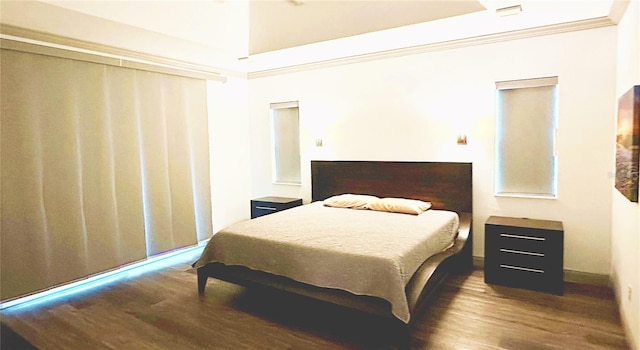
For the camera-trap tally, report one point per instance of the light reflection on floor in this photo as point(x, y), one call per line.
point(95, 282)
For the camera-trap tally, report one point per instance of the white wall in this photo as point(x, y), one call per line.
point(625, 237)
point(412, 108)
point(229, 150)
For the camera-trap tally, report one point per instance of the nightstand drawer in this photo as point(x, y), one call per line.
point(515, 276)
point(260, 210)
point(518, 258)
point(521, 241)
point(269, 205)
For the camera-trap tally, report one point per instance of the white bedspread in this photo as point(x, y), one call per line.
point(364, 252)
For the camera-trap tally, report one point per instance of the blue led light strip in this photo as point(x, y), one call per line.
point(126, 272)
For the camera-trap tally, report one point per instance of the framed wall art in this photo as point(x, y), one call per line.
point(628, 144)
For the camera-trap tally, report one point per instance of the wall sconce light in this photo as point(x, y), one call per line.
point(462, 139)
point(318, 142)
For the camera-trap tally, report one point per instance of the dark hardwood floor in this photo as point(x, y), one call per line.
point(162, 310)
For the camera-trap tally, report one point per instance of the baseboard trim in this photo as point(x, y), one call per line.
point(579, 277)
point(478, 262)
point(571, 276)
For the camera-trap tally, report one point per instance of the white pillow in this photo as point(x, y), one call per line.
point(400, 205)
point(348, 200)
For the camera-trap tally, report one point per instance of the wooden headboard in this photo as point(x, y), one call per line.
point(446, 185)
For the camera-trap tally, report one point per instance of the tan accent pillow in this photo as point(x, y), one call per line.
point(348, 200)
point(400, 205)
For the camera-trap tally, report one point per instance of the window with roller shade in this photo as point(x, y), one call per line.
point(285, 136)
point(526, 128)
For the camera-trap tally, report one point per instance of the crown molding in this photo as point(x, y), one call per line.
point(592, 23)
point(618, 8)
point(34, 37)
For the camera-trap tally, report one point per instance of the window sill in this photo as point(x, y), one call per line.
point(526, 195)
point(287, 183)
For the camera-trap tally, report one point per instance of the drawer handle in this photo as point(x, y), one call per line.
point(520, 252)
point(265, 208)
point(521, 268)
point(509, 235)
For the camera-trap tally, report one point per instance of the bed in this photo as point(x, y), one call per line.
point(394, 290)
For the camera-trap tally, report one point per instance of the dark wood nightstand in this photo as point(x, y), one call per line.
point(524, 253)
point(270, 205)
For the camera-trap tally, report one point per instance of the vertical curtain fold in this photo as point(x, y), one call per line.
point(99, 168)
point(198, 138)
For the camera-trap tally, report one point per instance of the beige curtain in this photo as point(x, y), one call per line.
point(100, 166)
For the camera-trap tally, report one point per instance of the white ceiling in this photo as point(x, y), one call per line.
point(283, 33)
point(275, 25)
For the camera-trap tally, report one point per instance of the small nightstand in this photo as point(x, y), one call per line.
point(524, 253)
point(270, 205)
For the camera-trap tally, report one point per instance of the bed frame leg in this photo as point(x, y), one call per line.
point(202, 280)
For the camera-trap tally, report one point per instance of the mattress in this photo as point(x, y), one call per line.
point(364, 252)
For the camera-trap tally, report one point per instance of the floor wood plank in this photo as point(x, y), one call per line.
point(162, 310)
